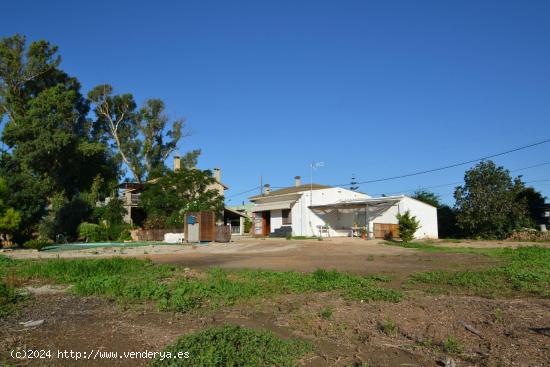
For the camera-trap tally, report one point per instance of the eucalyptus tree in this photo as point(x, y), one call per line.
point(142, 137)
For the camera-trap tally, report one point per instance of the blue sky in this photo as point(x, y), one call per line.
point(372, 88)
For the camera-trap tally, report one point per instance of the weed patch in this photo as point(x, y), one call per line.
point(234, 346)
point(526, 270)
point(326, 312)
point(452, 345)
point(132, 280)
point(388, 327)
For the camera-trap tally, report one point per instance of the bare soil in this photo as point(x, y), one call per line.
point(352, 335)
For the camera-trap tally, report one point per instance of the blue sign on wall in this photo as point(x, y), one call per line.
point(191, 219)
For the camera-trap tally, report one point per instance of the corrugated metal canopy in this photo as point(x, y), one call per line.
point(287, 204)
point(374, 206)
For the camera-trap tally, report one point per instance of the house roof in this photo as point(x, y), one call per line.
point(291, 190)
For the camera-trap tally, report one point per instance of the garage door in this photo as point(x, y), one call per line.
point(383, 230)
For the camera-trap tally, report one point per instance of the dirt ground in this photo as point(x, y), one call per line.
point(491, 332)
point(344, 254)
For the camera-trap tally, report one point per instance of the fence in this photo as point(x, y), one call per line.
point(152, 234)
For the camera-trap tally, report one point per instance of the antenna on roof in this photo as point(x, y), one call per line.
point(353, 183)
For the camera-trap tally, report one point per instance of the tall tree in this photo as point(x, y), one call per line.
point(22, 71)
point(143, 138)
point(167, 199)
point(487, 205)
point(9, 217)
point(446, 216)
point(427, 197)
point(534, 201)
point(51, 149)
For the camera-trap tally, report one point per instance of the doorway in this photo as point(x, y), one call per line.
point(266, 223)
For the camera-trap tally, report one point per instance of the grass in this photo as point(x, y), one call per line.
point(525, 270)
point(8, 299)
point(388, 327)
point(234, 346)
point(326, 312)
point(452, 345)
point(132, 280)
point(428, 247)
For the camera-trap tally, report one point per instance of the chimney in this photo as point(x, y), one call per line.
point(297, 181)
point(177, 163)
point(266, 189)
point(218, 174)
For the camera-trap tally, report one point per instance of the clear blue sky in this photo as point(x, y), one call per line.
point(371, 88)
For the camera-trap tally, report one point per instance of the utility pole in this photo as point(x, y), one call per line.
point(312, 166)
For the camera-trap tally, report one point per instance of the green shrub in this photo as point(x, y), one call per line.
point(37, 244)
point(388, 327)
point(8, 298)
point(247, 225)
point(451, 345)
point(112, 213)
point(407, 226)
point(234, 346)
point(326, 312)
point(91, 232)
point(119, 232)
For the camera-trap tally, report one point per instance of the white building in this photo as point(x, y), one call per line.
point(313, 210)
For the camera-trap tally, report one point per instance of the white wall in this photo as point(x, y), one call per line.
point(425, 214)
point(305, 221)
point(276, 219)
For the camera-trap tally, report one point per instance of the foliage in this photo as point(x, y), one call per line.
point(534, 201)
point(131, 280)
point(119, 232)
point(166, 200)
point(112, 212)
point(452, 345)
point(49, 138)
point(37, 244)
point(25, 192)
point(47, 130)
point(326, 312)
point(140, 137)
point(388, 327)
point(407, 226)
point(427, 197)
point(247, 225)
point(526, 271)
point(8, 299)
point(9, 217)
point(234, 346)
point(65, 217)
point(487, 205)
point(446, 222)
point(91, 232)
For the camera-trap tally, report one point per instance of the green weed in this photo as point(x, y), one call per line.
point(452, 345)
point(234, 346)
point(326, 312)
point(388, 327)
point(526, 270)
point(132, 280)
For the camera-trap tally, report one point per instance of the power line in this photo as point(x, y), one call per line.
point(459, 182)
point(452, 165)
point(526, 182)
point(242, 193)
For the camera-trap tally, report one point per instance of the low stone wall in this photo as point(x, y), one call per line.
point(530, 236)
point(151, 234)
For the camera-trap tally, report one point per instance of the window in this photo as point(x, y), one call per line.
point(287, 218)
